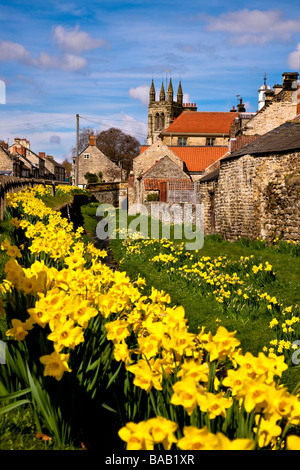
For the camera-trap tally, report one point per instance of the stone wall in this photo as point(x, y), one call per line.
point(258, 196)
point(5, 161)
point(207, 191)
point(109, 193)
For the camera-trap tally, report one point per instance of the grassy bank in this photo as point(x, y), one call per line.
point(203, 308)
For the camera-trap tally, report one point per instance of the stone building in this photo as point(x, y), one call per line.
point(276, 107)
point(169, 163)
point(162, 112)
point(92, 160)
point(255, 192)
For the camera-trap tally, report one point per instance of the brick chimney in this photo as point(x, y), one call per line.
point(22, 151)
point(42, 154)
point(241, 107)
point(92, 140)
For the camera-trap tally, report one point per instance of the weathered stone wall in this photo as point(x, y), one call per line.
point(271, 116)
point(5, 161)
point(109, 193)
point(258, 196)
point(207, 192)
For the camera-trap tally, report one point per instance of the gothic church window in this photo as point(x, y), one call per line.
point(156, 121)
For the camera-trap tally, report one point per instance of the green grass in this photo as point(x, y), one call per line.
point(204, 310)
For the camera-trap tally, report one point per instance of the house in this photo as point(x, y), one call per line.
point(255, 191)
point(92, 160)
point(192, 160)
point(38, 166)
point(22, 148)
point(200, 129)
point(53, 170)
point(159, 162)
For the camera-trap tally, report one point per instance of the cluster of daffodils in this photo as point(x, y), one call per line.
point(212, 400)
point(214, 396)
point(230, 282)
point(286, 328)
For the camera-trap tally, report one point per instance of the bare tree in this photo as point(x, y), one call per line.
point(118, 146)
point(83, 140)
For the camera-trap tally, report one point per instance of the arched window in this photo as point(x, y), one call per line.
point(156, 121)
point(162, 121)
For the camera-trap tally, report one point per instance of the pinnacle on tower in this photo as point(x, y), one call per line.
point(170, 92)
point(162, 96)
point(179, 94)
point(152, 93)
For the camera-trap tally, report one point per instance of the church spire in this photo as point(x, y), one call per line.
point(170, 92)
point(179, 94)
point(162, 96)
point(152, 93)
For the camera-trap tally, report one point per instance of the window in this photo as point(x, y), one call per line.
point(182, 141)
point(156, 122)
point(210, 141)
point(86, 156)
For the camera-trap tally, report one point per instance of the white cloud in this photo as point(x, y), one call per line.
point(76, 41)
point(132, 126)
point(294, 58)
point(16, 52)
point(68, 63)
point(140, 93)
point(253, 26)
point(186, 98)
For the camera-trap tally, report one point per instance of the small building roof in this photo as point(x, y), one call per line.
point(196, 158)
point(210, 176)
point(202, 122)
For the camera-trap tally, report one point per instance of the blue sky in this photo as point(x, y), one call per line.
point(98, 58)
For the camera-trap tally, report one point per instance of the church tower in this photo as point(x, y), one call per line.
point(162, 113)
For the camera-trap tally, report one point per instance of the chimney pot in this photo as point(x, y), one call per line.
point(92, 140)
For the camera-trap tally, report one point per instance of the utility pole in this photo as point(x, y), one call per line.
point(77, 149)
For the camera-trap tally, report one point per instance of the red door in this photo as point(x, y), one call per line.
point(163, 195)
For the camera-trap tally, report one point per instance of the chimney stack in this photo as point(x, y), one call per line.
point(92, 140)
point(289, 80)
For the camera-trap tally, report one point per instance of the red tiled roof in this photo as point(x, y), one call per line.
point(196, 158)
point(202, 122)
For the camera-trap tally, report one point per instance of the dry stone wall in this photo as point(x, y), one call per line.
point(258, 196)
